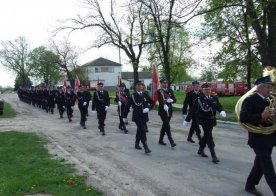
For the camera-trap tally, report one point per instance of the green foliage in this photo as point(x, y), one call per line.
point(26, 168)
point(8, 111)
point(43, 65)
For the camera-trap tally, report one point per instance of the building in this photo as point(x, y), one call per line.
point(128, 78)
point(105, 71)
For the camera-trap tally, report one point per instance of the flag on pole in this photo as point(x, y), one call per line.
point(64, 88)
point(77, 84)
point(119, 94)
point(155, 83)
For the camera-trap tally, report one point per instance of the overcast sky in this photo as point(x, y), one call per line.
point(35, 19)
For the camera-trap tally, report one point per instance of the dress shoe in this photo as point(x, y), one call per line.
point(202, 153)
point(161, 142)
point(253, 191)
point(173, 145)
point(126, 130)
point(215, 160)
point(103, 133)
point(190, 140)
point(138, 147)
point(84, 127)
point(147, 150)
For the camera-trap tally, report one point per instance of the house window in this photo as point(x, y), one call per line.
point(107, 69)
point(97, 70)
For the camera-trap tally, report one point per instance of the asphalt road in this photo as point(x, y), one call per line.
point(114, 166)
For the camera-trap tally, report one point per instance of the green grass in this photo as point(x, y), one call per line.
point(8, 111)
point(27, 168)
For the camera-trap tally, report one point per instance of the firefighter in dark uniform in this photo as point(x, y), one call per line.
point(189, 101)
point(100, 103)
point(70, 99)
point(121, 98)
point(60, 100)
point(51, 99)
point(83, 101)
point(165, 99)
point(141, 104)
point(204, 108)
point(255, 111)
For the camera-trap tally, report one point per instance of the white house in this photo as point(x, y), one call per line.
point(128, 78)
point(105, 71)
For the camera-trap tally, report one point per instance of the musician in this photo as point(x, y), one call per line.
point(204, 108)
point(101, 103)
point(141, 104)
point(188, 102)
point(165, 99)
point(121, 98)
point(255, 111)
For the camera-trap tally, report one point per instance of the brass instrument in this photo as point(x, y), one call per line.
point(271, 128)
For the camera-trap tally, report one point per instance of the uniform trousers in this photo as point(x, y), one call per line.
point(263, 165)
point(141, 132)
point(207, 135)
point(166, 128)
point(101, 114)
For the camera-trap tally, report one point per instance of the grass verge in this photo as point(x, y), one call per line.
point(8, 111)
point(27, 168)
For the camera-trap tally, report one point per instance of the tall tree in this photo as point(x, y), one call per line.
point(67, 59)
point(44, 66)
point(122, 28)
point(14, 56)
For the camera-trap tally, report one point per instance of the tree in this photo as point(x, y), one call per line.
point(208, 75)
point(67, 59)
point(179, 55)
point(14, 56)
point(44, 66)
point(123, 29)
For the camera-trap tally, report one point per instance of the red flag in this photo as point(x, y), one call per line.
point(155, 82)
point(77, 85)
point(64, 86)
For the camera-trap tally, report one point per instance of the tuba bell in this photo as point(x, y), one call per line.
point(272, 121)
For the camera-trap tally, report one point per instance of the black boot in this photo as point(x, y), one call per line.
point(147, 150)
point(214, 157)
point(189, 139)
point(137, 146)
point(172, 142)
point(161, 142)
point(201, 152)
point(161, 137)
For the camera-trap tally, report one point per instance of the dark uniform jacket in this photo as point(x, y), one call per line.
point(190, 99)
point(100, 100)
point(138, 103)
point(122, 96)
point(204, 109)
point(251, 110)
point(163, 95)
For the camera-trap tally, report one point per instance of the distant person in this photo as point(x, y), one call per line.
point(188, 103)
point(70, 99)
point(204, 108)
point(101, 103)
point(83, 102)
point(121, 98)
point(141, 104)
point(165, 99)
point(60, 100)
point(255, 111)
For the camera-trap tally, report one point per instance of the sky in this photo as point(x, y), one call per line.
point(36, 19)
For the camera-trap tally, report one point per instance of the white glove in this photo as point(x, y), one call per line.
point(72, 107)
point(185, 123)
point(119, 103)
point(184, 116)
point(223, 114)
point(169, 100)
point(106, 108)
point(93, 112)
point(125, 120)
point(84, 103)
point(146, 110)
point(166, 108)
point(64, 107)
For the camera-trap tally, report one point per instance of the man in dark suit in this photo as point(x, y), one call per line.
point(165, 99)
point(60, 100)
point(121, 98)
point(70, 99)
point(189, 101)
point(101, 103)
point(255, 111)
point(204, 108)
point(83, 101)
point(141, 104)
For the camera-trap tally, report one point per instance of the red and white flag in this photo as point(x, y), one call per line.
point(155, 83)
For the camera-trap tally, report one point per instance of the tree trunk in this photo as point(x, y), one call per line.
point(271, 17)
